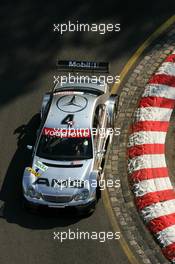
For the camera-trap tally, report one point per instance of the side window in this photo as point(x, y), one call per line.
point(97, 124)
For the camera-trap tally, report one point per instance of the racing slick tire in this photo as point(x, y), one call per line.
point(88, 209)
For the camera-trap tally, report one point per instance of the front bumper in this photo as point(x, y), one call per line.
point(82, 204)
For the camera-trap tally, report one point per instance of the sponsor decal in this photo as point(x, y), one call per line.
point(78, 183)
point(31, 170)
point(66, 133)
point(83, 64)
point(67, 93)
point(41, 166)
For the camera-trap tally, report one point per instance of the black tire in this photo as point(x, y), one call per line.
point(89, 210)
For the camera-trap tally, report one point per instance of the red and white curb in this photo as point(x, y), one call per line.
point(154, 194)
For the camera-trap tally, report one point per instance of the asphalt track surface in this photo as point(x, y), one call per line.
point(29, 50)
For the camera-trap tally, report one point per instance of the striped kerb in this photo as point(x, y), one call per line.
point(148, 173)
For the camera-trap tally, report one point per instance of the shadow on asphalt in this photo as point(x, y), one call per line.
point(28, 44)
point(11, 192)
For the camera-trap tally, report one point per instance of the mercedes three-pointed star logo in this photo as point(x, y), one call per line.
point(72, 103)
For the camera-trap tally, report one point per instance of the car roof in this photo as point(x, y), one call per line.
point(80, 105)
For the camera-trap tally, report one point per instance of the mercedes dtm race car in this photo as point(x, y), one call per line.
point(69, 154)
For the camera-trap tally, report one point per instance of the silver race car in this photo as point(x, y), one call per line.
point(77, 125)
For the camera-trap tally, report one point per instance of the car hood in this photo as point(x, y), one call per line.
point(62, 171)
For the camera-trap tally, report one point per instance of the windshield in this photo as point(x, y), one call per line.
point(64, 148)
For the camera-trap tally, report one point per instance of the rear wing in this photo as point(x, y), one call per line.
point(90, 66)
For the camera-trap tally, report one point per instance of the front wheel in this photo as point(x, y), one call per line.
point(87, 210)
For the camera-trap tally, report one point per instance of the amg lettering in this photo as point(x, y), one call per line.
point(42, 181)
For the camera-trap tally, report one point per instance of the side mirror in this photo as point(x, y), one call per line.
point(29, 147)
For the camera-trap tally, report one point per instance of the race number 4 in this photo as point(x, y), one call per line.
point(68, 120)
